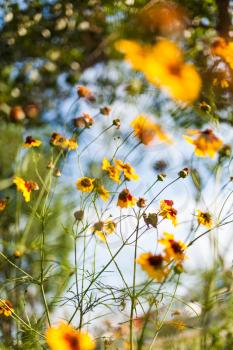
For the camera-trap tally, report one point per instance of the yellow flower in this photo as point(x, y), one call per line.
point(104, 228)
point(146, 130)
point(173, 249)
point(128, 170)
point(65, 337)
point(6, 307)
point(25, 187)
point(163, 66)
point(58, 140)
point(224, 50)
point(167, 211)
point(206, 143)
point(125, 199)
point(112, 171)
point(103, 192)
point(204, 218)
point(3, 203)
point(85, 184)
point(31, 142)
point(72, 144)
point(153, 265)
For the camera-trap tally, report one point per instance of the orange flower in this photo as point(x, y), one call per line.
point(125, 199)
point(85, 121)
point(173, 249)
point(128, 170)
point(65, 337)
point(167, 211)
point(146, 130)
point(25, 187)
point(206, 143)
point(6, 307)
point(224, 50)
point(31, 142)
point(204, 218)
point(163, 66)
point(58, 140)
point(84, 92)
point(112, 171)
point(154, 265)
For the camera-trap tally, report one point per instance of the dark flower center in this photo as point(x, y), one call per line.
point(155, 261)
point(176, 247)
point(73, 341)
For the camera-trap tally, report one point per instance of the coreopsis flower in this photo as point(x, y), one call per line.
point(116, 123)
point(204, 218)
point(163, 65)
point(6, 308)
point(31, 142)
point(3, 204)
point(112, 171)
point(103, 192)
point(154, 265)
point(65, 337)
point(25, 187)
point(85, 184)
point(58, 140)
point(224, 50)
point(128, 170)
point(84, 92)
point(183, 173)
point(206, 143)
point(104, 228)
point(72, 144)
point(85, 121)
point(146, 130)
point(125, 199)
point(167, 211)
point(173, 249)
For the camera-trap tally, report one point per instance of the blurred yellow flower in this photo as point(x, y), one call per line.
point(25, 187)
point(128, 170)
point(6, 307)
point(204, 218)
point(206, 143)
point(146, 130)
point(154, 265)
point(85, 184)
point(224, 50)
point(173, 249)
point(72, 144)
point(163, 65)
point(58, 140)
point(112, 171)
point(167, 211)
point(103, 192)
point(104, 228)
point(3, 203)
point(31, 142)
point(65, 337)
point(125, 199)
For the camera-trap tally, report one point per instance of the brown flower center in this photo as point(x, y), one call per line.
point(72, 341)
point(176, 247)
point(86, 182)
point(156, 261)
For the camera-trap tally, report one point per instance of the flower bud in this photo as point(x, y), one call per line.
point(17, 114)
point(116, 123)
point(79, 214)
point(183, 173)
point(105, 110)
point(141, 203)
point(57, 173)
point(161, 177)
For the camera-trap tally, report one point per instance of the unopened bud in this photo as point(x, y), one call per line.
point(116, 123)
point(183, 173)
point(105, 110)
point(141, 203)
point(161, 177)
point(57, 173)
point(79, 214)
